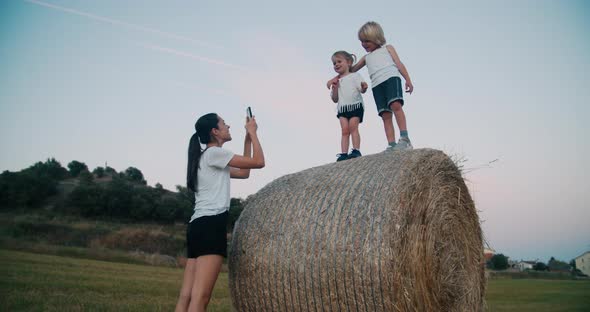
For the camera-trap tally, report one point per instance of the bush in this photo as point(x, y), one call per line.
point(149, 241)
point(55, 234)
point(25, 188)
point(87, 200)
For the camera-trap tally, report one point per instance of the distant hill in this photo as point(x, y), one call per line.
point(103, 214)
point(104, 193)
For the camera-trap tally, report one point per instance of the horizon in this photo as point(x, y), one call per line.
point(485, 246)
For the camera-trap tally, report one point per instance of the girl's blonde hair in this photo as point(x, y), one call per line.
point(347, 56)
point(373, 32)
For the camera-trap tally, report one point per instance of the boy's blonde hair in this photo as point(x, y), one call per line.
point(373, 32)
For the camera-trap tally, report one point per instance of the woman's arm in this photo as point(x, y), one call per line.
point(241, 165)
point(401, 67)
point(238, 173)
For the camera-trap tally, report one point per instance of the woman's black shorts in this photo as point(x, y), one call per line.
point(207, 235)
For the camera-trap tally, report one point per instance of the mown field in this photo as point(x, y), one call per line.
point(36, 282)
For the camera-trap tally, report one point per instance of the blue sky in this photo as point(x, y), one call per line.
point(105, 82)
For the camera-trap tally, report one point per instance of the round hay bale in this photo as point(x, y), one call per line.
point(386, 232)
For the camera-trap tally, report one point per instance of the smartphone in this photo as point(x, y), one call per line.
point(249, 112)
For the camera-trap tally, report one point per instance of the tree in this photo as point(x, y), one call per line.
point(110, 171)
point(498, 262)
point(99, 172)
point(540, 266)
point(76, 167)
point(142, 204)
point(187, 202)
point(88, 200)
point(86, 177)
point(166, 208)
point(27, 188)
point(30, 187)
point(51, 169)
point(236, 207)
point(186, 194)
point(556, 265)
point(119, 198)
point(134, 175)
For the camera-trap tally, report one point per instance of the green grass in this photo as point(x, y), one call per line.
point(37, 282)
point(538, 295)
point(34, 282)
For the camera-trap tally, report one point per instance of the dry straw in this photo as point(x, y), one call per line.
point(387, 232)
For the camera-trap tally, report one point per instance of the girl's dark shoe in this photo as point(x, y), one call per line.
point(354, 154)
point(342, 156)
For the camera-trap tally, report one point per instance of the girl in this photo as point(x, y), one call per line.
point(208, 174)
point(384, 68)
point(346, 91)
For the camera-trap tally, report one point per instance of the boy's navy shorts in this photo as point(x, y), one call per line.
point(388, 92)
point(207, 236)
point(358, 112)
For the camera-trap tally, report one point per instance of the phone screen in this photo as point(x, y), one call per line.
point(249, 112)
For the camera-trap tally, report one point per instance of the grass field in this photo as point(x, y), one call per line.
point(538, 295)
point(36, 282)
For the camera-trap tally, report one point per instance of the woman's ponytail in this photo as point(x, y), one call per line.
point(194, 155)
point(202, 135)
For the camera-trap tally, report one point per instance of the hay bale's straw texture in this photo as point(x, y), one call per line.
point(386, 232)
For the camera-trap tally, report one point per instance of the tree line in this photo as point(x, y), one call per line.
point(500, 262)
point(102, 193)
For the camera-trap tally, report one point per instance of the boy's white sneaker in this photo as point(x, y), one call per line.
point(403, 144)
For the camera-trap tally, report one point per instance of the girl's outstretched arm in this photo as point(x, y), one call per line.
point(401, 67)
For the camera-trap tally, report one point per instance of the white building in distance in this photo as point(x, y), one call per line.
point(583, 263)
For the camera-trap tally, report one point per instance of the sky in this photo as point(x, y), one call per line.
point(502, 86)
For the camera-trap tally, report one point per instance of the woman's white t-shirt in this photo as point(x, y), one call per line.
point(212, 196)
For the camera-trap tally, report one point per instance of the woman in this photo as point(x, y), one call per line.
point(208, 175)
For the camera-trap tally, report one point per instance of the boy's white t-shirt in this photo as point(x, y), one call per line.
point(380, 66)
point(212, 196)
point(349, 92)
